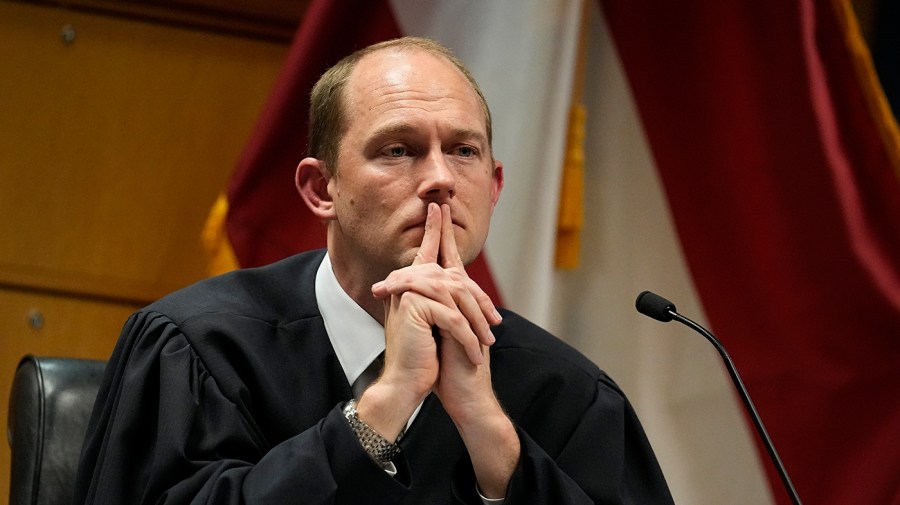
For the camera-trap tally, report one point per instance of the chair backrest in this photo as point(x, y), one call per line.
point(49, 407)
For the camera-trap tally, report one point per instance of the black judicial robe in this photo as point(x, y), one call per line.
point(229, 392)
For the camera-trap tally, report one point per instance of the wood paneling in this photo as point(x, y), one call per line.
point(113, 147)
point(267, 19)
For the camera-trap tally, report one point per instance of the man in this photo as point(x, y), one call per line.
point(243, 388)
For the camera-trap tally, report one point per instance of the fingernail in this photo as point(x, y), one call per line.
point(497, 316)
point(378, 285)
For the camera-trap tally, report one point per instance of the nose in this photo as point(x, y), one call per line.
point(438, 179)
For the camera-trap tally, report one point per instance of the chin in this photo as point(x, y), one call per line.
point(468, 259)
point(468, 251)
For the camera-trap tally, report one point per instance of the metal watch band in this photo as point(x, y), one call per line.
point(378, 447)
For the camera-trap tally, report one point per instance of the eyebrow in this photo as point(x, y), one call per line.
point(394, 129)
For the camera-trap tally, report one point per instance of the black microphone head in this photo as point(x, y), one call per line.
point(652, 305)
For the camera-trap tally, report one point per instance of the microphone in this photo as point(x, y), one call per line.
point(652, 305)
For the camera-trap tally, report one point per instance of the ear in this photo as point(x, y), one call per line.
point(497, 183)
point(312, 180)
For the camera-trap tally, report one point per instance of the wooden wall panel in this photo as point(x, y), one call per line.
point(266, 19)
point(114, 147)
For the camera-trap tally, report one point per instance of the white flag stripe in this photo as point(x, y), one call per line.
point(523, 54)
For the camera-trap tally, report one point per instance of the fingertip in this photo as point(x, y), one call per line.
point(445, 214)
point(497, 318)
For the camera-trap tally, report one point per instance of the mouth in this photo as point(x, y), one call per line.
point(421, 225)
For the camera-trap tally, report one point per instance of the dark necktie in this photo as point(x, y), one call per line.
point(369, 374)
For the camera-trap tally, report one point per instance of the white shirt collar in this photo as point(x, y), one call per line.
point(356, 336)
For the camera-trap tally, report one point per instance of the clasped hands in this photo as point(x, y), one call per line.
point(436, 292)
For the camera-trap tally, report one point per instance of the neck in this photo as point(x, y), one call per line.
point(357, 282)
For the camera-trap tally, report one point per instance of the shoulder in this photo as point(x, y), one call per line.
point(547, 387)
point(231, 321)
point(278, 293)
point(527, 344)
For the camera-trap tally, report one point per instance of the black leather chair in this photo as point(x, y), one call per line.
point(49, 407)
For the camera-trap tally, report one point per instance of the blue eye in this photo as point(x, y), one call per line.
point(396, 151)
point(466, 151)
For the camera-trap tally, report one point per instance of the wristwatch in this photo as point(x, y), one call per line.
point(378, 447)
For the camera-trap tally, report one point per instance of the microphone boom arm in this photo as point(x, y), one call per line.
point(745, 396)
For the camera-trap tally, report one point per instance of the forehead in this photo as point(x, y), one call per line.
point(410, 82)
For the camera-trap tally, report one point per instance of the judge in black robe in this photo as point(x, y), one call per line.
point(229, 392)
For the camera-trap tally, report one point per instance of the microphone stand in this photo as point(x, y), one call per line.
point(745, 396)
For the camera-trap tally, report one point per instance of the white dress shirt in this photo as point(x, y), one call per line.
point(356, 336)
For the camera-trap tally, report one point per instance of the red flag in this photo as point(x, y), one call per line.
point(264, 218)
point(781, 170)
